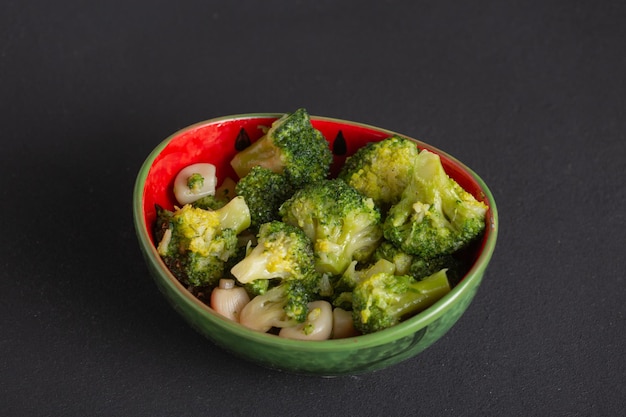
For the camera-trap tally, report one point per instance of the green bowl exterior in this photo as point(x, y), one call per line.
point(350, 356)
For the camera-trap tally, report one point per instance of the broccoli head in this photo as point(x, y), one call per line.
point(283, 251)
point(195, 243)
point(352, 277)
point(381, 170)
point(343, 224)
point(292, 147)
point(384, 299)
point(264, 191)
point(435, 215)
point(282, 305)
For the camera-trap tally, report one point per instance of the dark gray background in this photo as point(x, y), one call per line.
point(531, 95)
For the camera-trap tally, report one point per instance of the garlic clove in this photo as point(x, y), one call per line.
point(194, 182)
point(229, 300)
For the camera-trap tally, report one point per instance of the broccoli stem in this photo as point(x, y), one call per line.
point(234, 215)
point(422, 294)
point(262, 153)
point(253, 266)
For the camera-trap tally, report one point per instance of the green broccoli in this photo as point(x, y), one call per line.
point(283, 305)
point(381, 170)
point(283, 251)
point(417, 267)
point(401, 260)
point(422, 268)
point(209, 202)
point(343, 224)
point(264, 192)
point(352, 277)
point(258, 287)
point(292, 147)
point(195, 243)
point(435, 215)
point(384, 300)
point(245, 241)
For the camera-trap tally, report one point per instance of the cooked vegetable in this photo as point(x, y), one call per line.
point(264, 192)
point(283, 259)
point(401, 260)
point(417, 267)
point(283, 251)
point(195, 181)
point(381, 170)
point(343, 224)
point(385, 299)
point(353, 277)
point(291, 251)
point(196, 243)
point(422, 268)
point(291, 147)
point(257, 287)
point(228, 299)
point(435, 216)
point(281, 306)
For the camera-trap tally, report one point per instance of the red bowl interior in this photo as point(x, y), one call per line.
point(215, 142)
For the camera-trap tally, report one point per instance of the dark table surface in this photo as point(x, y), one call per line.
point(531, 95)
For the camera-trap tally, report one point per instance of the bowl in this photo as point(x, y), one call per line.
point(216, 141)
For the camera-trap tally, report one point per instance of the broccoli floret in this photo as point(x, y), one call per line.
point(381, 170)
point(195, 243)
point(343, 224)
point(384, 300)
point(417, 267)
point(422, 268)
point(435, 216)
point(283, 251)
point(264, 192)
point(352, 277)
point(292, 147)
point(246, 240)
point(257, 287)
point(283, 305)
